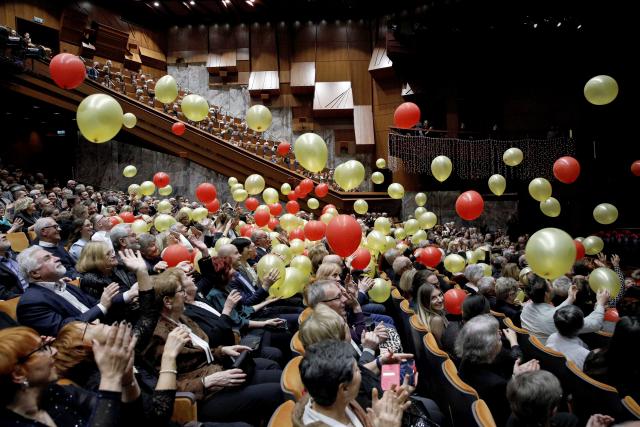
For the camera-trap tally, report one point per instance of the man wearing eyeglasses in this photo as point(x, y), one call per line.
point(48, 233)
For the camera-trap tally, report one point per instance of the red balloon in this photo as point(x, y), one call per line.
point(178, 128)
point(252, 203)
point(262, 218)
point(453, 299)
point(344, 235)
point(314, 230)
point(579, 250)
point(275, 209)
point(566, 169)
point(206, 192)
point(300, 192)
point(362, 258)
point(611, 315)
point(127, 217)
point(284, 148)
point(292, 207)
point(429, 256)
point(246, 230)
point(469, 205)
point(327, 207)
point(292, 196)
point(322, 190)
point(213, 206)
point(273, 223)
point(67, 70)
point(297, 233)
point(161, 179)
point(406, 115)
point(635, 168)
point(175, 254)
point(306, 185)
point(114, 221)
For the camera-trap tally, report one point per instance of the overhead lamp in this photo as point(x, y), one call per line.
point(156, 4)
point(192, 3)
point(250, 3)
point(579, 26)
point(559, 24)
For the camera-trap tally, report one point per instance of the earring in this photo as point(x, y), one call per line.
point(25, 384)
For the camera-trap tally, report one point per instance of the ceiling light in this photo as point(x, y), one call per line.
point(192, 3)
point(156, 4)
point(559, 24)
point(535, 25)
point(579, 26)
point(250, 2)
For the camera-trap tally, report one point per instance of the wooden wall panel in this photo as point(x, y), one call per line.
point(336, 71)
point(304, 43)
point(264, 56)
point(48, 10)
point(360, 82)
point(191, 38)
point(331, 32)
point(284, 48)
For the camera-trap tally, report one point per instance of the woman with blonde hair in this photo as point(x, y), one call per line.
point(511, 270)
point(406, 284)
point(329, 271)
point(25, 209)
point(97, 264)
point(430, 304)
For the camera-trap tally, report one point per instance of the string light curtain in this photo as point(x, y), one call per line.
point(477, 158)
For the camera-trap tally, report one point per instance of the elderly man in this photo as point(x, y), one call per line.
point(48, 233)
point(101, 228)
point(261, 239)
point(400, 265)
point(122, 238)
point(48, 303)
point(151, 253)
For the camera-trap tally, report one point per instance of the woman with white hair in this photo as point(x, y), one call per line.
point(473, 273)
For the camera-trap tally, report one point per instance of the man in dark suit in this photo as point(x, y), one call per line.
point(49, 303)
point(261, 239)
point(12, 284)
point(48, 233)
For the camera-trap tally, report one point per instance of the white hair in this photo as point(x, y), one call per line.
point(473, 273)
point(28, 262)
point(40, 224)
point(478, 340)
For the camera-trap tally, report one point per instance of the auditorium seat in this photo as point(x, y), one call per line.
point(459, 396)
point(429, 369)
point(632, 407)
point(9, 307)
point(296, 344)
point(185, 408)
point(552, 361)
point(599, 339)
point(19, 241)
point(282, 416)
point(500, 317)
point(305, 315)
point(523, 340)
point(482, 414)
point(290, 381)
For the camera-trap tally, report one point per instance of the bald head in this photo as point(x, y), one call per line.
point(230, 251)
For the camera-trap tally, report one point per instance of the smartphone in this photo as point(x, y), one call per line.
point(396, 372)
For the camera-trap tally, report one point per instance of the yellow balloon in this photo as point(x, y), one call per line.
point(254, 184)
point(383, 225)
point(601, 90)
point(593, 245)
point(361, 206)
point(326, 218)
point(377, 178)
point(579, 239)
point(311, 152)
point(199, 214)
point(421, 199)
point(471, 259)
point(133, 189)
point(520, 296)
point(380, 291)
point(419, 237)
point(270, 195)
point(99, 117)
point(164, 206)
point(129, 120)
point(198, 256)
point(381, 163)
point(188, 211)
point(391, 243)
point(454, 263)
point(302, 263)
point(605, 213)
point(294, 282)
point(550, 207)
point(285, 188)
point(605, 278)
point(284, 251)
point(297, 246)
point(332, 211)
point(221, 242)
point(550, 253)
point(313, 203)
point(258, 118)
point(395, 190)
point(411, 226)
point(479, 254)
point(512, 156)
point(441, 168)
point(195, 107)
point(232, 181)
point(263, 208)
point(130, 171)
point(288, 222)
point(540, 189)
point(419, 211)
point(270, 262)
point(376, 241)
point(147, 188)
point(165, 191)
point(237, 186)
point(163, 222)
point(400, 233)
point(349, 175)
point(240, 195)
point(139, 226)
point(497, 184)
point(166, 89)
point(486, 268)
point(428, 220)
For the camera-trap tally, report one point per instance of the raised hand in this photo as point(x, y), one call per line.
point(381, 332)
point(615, 260)
point(365, 284)
point(271, 278)
point(176, 340)
point(370, 340)
point(106, 299)
point(386, 412)
point(602, 297)
point(113, 357)
point(133, 260)
point(232, 300)
point(531, 365)
point(160, 266)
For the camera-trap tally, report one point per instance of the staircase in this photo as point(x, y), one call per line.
point(154, 127)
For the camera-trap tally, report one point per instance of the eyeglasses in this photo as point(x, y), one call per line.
point(45, 345)
point(332, 299)
point(181, 291)
point(55, 225)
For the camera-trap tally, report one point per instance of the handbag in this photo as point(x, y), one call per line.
point(417, 415)
point(245, 363)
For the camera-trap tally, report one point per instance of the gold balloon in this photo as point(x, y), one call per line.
point(133, 189)
point(349, 175)
point(147, 188)
point(550, 207)
point(270, 195)
point(579, 239)
point(400, 233)
point(221, 242)
point(311, 152)
point(479, 254)
point(605, 213)
point(377, 178)
point(380, 291)
point(471, 259)
point(288, 222)
point(454, 263)
point(360, 206)
point(540, 189)
point(258, 118)
point(99, 117)
point(593, 245)
point(381, 163)
point(199, 214)
point(332, 211)
point(605, 278)
point(391, 243)
point(486, 268)
point(284, 251)
point(263, 208)
point(294, 282)
point(164, 206)
point(254, 184)
point(601, 90)
point(198, 256)
point(237, 186)
point(163, 222)
point(441, 168)
point(520, 296)
point(240, 195)
point(419, 211)
point(428, 220)
point(297, 246)
point(302, 263)
point(285, 188)
point(326, 218)
point(129, 120)
point(376, 241)
point(411, 226)
point(418, 237)
point(232, 181)
point(187, 210)
point(139, 226)
point(421, 199)
point(313, 203)
point(550, 253)
point(383, 225)
point(512, 157)
point(166, 89)
point(497, 184)
point(395, 191)
point(130, 171)
point(165, 191)
point(270, 262)
point(195, 107)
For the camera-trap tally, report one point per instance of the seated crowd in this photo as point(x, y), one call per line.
point(106, 332)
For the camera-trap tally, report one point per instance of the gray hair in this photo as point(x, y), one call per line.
point(504, 286)
point(315, 292)
point(486, 286)
point(21, 204)
point(391, 255)
point(400, 264)
point(118, 232)
point(473, 273)
point(533, 397)
point(561, 286)
point(478, 340)
point(145, 240)
point(28, 261)
point(40, 224)
point(257, 234)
